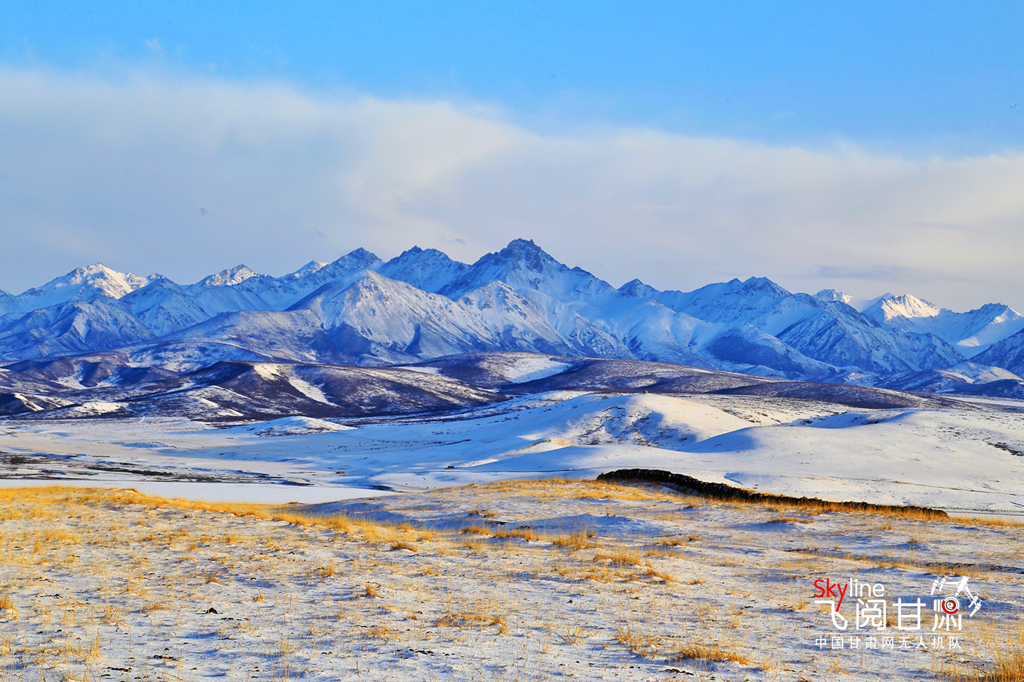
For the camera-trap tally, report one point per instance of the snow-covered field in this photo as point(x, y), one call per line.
point(446, 551)
point(959, 460)
point(530, 580)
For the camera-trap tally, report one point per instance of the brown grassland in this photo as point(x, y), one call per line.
point(521, 580)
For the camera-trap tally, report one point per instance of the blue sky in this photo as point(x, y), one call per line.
point(862, 96)
point(925, 76)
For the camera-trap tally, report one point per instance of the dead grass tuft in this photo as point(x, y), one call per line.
point(639, 642)
point(574, 541)
point(381, 632)
point(708, 652)
point(789, 519)
point(7, 607)
point(621, 557)
point(474, 620)
point(522, 533)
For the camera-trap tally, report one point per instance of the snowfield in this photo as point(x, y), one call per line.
point(967, 460)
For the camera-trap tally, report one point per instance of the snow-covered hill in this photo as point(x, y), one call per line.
point(240, 387)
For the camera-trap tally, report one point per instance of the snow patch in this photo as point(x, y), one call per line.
point(97, 407)
point(424, 370)
point(532, 369)
point(289, 426)
point(309, 390)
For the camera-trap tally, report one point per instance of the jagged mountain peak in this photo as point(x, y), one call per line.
point(529, 254)
point(309, 268)
point(418, 255)
point(636, 288)
point(833, 295)
point(754, 291)
point(360, 259)
point(858, 304)
point(762, 285)
point(98, 272)
point(904, 305)
point(228, 277)
point(84, 283)
point(360, 254)
point(526, 267)
point(427, 269)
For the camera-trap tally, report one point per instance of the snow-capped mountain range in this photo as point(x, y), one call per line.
point(421, 305)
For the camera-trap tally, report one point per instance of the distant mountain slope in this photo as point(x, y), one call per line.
point(104, 386)
point(1007, 353)
point(236, 391)
point(967, 378)
point(429, 270)
point(82, 284)
point(165, 308)
point(970, 333)
point(69, 328)
point(422, 305)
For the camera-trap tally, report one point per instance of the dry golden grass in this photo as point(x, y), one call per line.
point(382, 632)
point(1003, 660)
point(462, 620)
point(574, 541)
point(789, 519)
point(582, 490)
point(7, 607)
point(997, 522)
point(480, 613)
point(708, 652)
point(425, 591)
point(638, 640)
point(620, 557)
point(521, 533)
point(664, 576)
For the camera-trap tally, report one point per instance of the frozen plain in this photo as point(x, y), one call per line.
point(966, 461)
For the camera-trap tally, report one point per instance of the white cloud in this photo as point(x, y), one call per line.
point(118, 170)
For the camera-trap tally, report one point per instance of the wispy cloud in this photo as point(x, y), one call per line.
point(121, 169)
point(884, 273)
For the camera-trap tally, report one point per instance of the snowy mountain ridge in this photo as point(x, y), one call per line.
point(422, 304)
